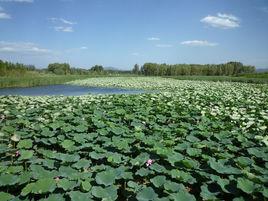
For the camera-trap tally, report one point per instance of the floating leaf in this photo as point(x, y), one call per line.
point(6, 196)
point(106, 178)
point(183, 196)
point(67, 144)
point(86, 186)
point(79, 196)
point(66, 184)
point(54, 197)
point(25, 155)
point(26, 144)
point(44, 186)
point(245, 185)
point(8, 179)
point(146, 194)
point(108, 193)
point(158, 181)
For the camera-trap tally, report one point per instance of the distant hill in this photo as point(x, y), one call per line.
point(262, 70)
point(111, 68)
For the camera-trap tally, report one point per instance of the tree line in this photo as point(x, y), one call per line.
point(148, 69)
point(13, 69)
point(227, 69)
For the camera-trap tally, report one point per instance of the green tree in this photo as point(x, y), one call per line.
point(136, 69)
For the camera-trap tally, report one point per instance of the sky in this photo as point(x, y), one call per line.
point(121, 33)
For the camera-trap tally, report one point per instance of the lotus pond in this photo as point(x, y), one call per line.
point(190, 141)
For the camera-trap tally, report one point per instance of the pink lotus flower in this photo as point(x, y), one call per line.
point(149, 162)
point(17, 154)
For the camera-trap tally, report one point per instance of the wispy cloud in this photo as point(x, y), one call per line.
point(20, 1)
point(198, 43)
point(22, 47)
point(64, 29)
point(135, 54)
point(153, 39)
point(223, 21)
point(76, 49)
point(61, 20)
point(164, 45)
point(4, 15)
point(63, 24)
point(83, 48)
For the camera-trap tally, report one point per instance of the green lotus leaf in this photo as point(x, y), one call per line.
point(6, 196)
point(54, 197)
point(27, 189)
point(265, 192)
point(108, 193)
point(79, 196)
point(106, 178)
point(82, 163)
point(173, 186)
point(206, 194)
point(175, 157)
point(14, 169)
point(25, 154)
point(81, 128)
point(146, 194)
point(66, 184)
point(182, 176)
point(183, 196)
point(158, 181)
point(67, 144)
point(44, 186)
point(26, 144)
point(133, 185)
point(193, 151)
point(115, 158)
point(25, 177)
point(86, 186)
point(245, 185)
point(8, 179)
point(143, 172)
point(223, 169)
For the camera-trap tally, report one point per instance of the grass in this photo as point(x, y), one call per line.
point(37, 79)
point(251, 78)
point(41, 79)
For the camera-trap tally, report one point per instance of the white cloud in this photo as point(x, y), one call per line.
point(4, 15)
point(135, 54)
point(63, 24)
point(64, 29)
point(76, 49)
point(20, 1)
point(22, 47)
point(153, 38)
point(61, 20)
point(163, 45)
point(198, 43)
point(223, 21)
point(83, 48)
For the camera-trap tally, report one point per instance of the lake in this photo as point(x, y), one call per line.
point(65, 90)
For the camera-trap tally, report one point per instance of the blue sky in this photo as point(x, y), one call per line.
point(120, 33)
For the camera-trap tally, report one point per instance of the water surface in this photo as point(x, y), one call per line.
point(65, 90)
